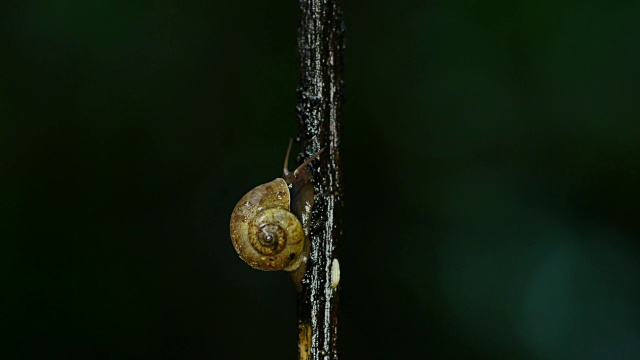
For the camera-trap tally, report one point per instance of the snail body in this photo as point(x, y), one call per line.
point(270, 224)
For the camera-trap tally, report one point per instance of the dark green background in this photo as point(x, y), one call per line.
point(491, 166)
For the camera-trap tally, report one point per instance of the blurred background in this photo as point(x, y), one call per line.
point(499, 142)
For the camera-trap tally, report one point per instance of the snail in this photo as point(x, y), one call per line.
point(270, 224)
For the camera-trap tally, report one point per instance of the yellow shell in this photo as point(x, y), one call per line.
point(264, 232)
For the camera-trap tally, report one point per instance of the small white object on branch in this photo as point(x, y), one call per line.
point(335, 273)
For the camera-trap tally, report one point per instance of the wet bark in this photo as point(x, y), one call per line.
point(319, 116)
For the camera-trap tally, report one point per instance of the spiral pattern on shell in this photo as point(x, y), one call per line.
point(264, 232)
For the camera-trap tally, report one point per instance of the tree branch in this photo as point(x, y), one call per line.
point(319, 115)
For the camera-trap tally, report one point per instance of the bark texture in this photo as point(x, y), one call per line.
point(319, 115)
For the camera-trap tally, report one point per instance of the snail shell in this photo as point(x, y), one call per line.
point(270, 224)
point(264, 232)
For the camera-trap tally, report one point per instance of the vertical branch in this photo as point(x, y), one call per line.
point(319, 115)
